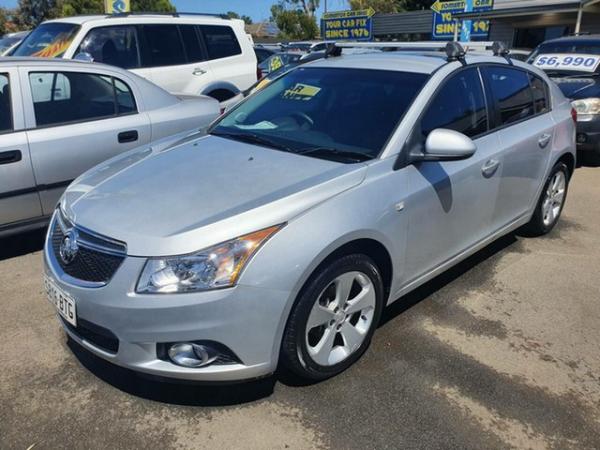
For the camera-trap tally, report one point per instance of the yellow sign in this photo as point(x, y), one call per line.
point(117, 6)
point(440, 6)
point(348, 14)
point(301, 92)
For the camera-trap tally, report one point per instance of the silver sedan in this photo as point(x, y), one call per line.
point(59, 118)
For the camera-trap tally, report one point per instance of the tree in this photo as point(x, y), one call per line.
point(77, 7)
point(152, 5)
point(234, 15)
point(294, 23)
point(380, 6)
point(31, 12)
point(413, 5)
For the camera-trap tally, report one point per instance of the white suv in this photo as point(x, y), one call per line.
point(183, 53)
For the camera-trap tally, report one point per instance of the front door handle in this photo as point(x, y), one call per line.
point(10, 157)
point(128, 136)
point(544, 140)
point(490, 167)
point(198, 71)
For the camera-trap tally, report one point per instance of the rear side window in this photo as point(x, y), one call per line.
point(116, 46)
point(539, 90)
point(459, 106)
point(191, 43)
point(512, 92)
point(6, 123)
point(69, 97)
point(220, 41)
point(165, 47)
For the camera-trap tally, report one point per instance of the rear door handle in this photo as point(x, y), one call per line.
point(10, 157)
point(128, 136)
point(490, 167)
point(198, 71)
point(544, 140)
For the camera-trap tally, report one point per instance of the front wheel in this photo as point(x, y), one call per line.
point(551, 202)
point(335, 317)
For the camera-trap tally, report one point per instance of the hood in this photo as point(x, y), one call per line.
point(199, 193)
point(577, 88)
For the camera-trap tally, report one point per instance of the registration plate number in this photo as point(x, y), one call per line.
point(63, 302)
point(565, 61)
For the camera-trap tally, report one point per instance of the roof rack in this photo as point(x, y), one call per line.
point(170, 14)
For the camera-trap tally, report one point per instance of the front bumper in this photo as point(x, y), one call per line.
point(247, 320)
point(588, 134)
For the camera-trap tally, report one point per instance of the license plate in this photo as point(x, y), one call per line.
point(63, 302)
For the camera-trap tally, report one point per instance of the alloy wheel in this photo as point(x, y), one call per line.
point(554, 199)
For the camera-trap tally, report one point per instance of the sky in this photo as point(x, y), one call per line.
point(256, 9)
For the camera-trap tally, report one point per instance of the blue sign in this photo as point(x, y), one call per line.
point(445, 24)
point(348, 26)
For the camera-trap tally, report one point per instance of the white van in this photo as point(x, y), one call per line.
point(183, 53)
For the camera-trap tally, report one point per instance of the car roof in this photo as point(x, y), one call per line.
point(404, 61)
point(581, 38)
point(33, 61)
point(182, 17)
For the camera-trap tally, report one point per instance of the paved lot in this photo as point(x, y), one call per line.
point(501, 352)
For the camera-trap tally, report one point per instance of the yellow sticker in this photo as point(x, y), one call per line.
point(275, 63)
point(301, 92)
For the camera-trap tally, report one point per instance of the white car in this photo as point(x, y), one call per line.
point(59, 118)
point(195, 54)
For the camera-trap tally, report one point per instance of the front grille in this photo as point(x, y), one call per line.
point(94, 334)
point(96, 260)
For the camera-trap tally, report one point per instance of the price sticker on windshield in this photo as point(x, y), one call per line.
point(565, 61)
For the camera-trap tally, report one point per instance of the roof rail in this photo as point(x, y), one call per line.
point(170, 14)
point(420, 45)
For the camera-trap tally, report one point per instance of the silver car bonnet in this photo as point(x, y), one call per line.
point(201, 193)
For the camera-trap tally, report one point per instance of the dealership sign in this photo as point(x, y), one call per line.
point(117, 6)
point(348, 25)
point(444, 22)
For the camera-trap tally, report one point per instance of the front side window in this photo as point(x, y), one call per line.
point(220, 41)
point(68, 97)
point(165, 47)
point(6, 119)
point(512, 92)
point(459, 106)
point(116, 46)
point(48, 40)
point(346, 115)
point(539, 90)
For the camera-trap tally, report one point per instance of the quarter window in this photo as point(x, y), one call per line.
point(164, 46)
point(539, 90)
point(116, 46)
point(68, 97)
point(6, 121)
point(511, 90)
point(220, 41)
point(459, 106)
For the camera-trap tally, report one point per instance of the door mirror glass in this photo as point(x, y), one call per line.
point(448, 145)
point(84, 56)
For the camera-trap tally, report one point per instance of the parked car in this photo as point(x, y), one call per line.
point(10, 41)
point(195, 54)
point(311, 205)
point(60, 118)
point(263, 53)
point(574, 64)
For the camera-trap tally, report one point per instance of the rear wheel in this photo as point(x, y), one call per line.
point(334, 319)
point(551, 202)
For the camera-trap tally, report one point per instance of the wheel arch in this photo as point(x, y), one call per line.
point(220, 87)
point(569, 160)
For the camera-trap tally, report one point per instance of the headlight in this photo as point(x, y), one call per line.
point(587, 106)
point(212, 268)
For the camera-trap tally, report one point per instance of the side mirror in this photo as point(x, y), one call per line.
point(84, 56)
point(448, 145)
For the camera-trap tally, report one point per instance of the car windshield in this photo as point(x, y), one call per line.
point(345, 115)
point(49, 40)
point(7, 42)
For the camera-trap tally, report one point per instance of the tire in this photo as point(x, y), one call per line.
point(542, 222)
point(348, 330)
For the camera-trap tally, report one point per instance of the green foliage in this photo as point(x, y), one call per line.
point(234, 15)
point(152, 5)
point(294, 23)
point(75, 7)
point(2, 21)
point(380, 6)
point(30, 13)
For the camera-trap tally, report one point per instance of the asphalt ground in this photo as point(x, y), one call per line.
point(502, 351)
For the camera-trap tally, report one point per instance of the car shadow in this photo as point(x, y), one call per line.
point(22, 244)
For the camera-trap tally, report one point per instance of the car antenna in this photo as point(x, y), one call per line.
point(455, 52)
point(500, 49)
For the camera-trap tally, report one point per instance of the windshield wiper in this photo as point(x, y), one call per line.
point(253, 138)
point(335, 154)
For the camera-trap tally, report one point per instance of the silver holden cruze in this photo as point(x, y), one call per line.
point(282, 235)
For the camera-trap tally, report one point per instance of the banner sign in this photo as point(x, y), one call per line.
point(117, 6)
point(348, 25)
point(444, 23)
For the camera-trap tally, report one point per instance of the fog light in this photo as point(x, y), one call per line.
point(187, 354)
